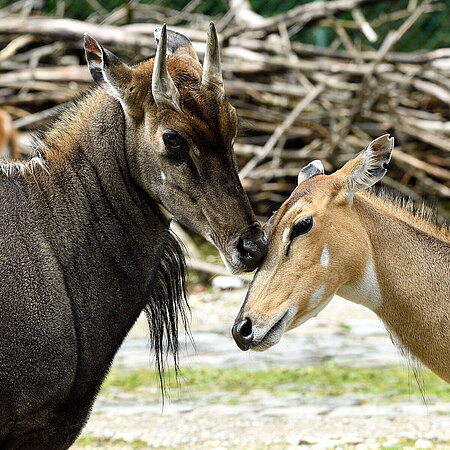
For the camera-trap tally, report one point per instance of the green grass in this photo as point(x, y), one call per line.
point(89, 441)
point(389, 383)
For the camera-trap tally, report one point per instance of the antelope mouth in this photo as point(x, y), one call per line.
point(243, 252)
point(234, 268)
point(273, 334)
point(235, 265)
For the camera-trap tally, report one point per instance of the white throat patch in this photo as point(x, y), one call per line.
point(366, 291)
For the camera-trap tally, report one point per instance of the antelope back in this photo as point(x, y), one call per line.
point(317, 244)
point(180, 131)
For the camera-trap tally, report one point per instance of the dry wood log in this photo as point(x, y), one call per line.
point(15, 45)
point(299, 16)
point(73, 30)
point(280, 130)
point(36, 99)
point(66, 74)
point(32, 119)
point(309, 50)
point(214, 269)
point(365, 91)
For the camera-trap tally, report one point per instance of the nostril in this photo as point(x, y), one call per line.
point(241, 249)
point(243, 333)
point(246, 328)
point(246, 248)
point(263, 245)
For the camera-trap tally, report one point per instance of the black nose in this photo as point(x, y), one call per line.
point(252, 248)
point(243, 334)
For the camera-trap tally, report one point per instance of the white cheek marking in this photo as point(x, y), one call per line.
point(286, 235)
point(325, 257)
point(316, 297)
point(229, 267)
point(365, 291)
point(163, 175)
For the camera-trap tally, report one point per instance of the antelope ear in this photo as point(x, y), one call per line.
point(311, 170)
point(178, 45)
point(367, 167)
point(107, 70)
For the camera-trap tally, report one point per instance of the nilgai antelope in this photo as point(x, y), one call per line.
point(333, 237)
point(85, 244)
point(8, 135)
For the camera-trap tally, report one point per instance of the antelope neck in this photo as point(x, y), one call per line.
point(411, 266)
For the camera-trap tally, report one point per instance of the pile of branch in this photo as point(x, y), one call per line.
point(297, 102)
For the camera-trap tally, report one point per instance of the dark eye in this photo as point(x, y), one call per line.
point(172, 140)
point(175, 147)
point(301, 227)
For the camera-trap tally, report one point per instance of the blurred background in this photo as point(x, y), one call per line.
point(310, 80)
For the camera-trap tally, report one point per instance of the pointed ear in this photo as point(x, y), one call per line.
point(107, 70)
point(178, 45)
point(311, 170)
point(367, 167)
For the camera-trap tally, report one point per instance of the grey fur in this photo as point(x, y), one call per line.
point(85, 247)
point(80, 257)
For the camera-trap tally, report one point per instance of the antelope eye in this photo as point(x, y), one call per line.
point(301, 227)
point(172, 140)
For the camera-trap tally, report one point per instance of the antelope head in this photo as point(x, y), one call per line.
point(316, 246)
point(180, 132)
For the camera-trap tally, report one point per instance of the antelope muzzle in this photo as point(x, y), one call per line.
point(250, 249)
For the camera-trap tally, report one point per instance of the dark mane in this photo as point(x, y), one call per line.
point(167, 303)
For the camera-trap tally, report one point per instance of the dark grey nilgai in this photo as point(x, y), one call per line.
point(85, 244)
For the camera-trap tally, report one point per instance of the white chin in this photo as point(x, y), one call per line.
point(268, 342)
point(276, 331)
point(229, 267)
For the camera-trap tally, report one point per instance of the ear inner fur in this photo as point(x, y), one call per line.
point(106, 69)
point(371, 163)
point(311, 170)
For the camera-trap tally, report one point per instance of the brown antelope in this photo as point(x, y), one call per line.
point(333, 237)
point(85, 244)
point(8, 135)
